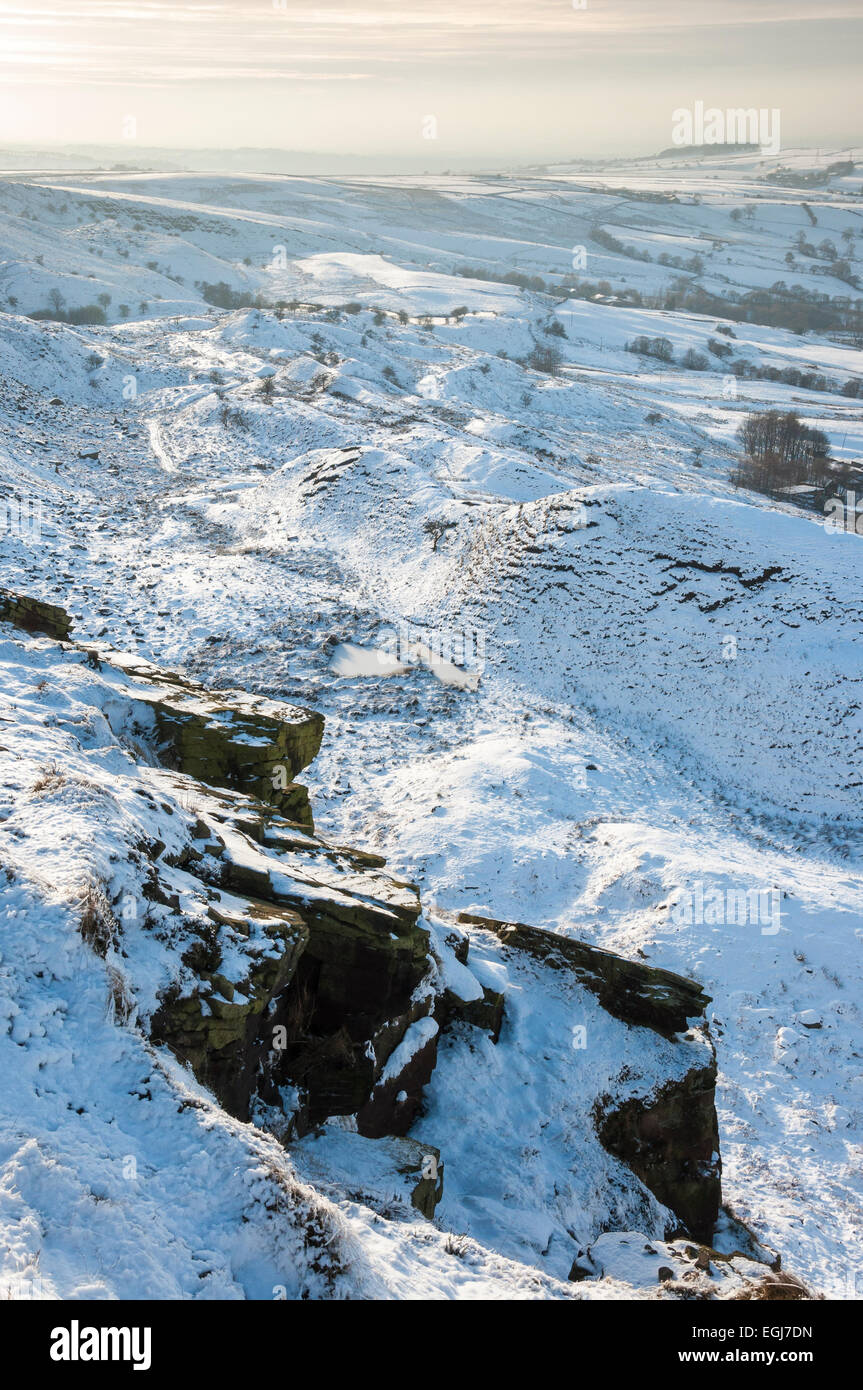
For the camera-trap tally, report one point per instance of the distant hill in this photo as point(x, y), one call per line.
point(727, 147)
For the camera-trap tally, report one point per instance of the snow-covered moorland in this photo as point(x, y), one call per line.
point(571, 676)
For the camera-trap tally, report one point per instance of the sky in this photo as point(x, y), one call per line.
point(496, 81)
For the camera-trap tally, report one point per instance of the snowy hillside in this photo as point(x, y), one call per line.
point(313, 447)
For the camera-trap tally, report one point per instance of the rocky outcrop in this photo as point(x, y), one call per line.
point(348, 1020)
point(634, 992)
point(302, 984)
point(670, 1139)
point(32, 615)
point(224, 738)
point(327, 1020)
point(300, 962)
point(223, 1027)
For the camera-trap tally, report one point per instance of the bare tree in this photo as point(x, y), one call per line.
point(437, 529)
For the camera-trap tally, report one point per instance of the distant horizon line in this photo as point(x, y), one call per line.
point(463, 163)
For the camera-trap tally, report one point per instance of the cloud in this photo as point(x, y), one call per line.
point(504, 56)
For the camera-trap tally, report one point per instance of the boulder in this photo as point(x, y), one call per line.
point(397, 1093)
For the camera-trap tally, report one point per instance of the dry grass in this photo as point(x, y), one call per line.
point(121, 1003)
point(50, 779)
point(775, 1288)
point(53, 778)
point(99, 926)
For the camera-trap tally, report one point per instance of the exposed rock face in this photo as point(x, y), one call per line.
point(32, 615)
point(397, 1092)
point(344, 992)
point(223, 738)
point(670, 1139)
point(220, 1032)
point(485, 1013)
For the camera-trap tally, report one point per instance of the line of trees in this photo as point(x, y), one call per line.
point(781, 451)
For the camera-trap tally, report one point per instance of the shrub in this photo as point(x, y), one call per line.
point(660, 348)
point(545, 358)
point(98, 925)
point(223, 297)
point(233, 418)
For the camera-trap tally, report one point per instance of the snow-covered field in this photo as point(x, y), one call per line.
point(571, 676)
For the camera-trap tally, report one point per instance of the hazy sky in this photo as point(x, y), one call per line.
point(504, 80)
